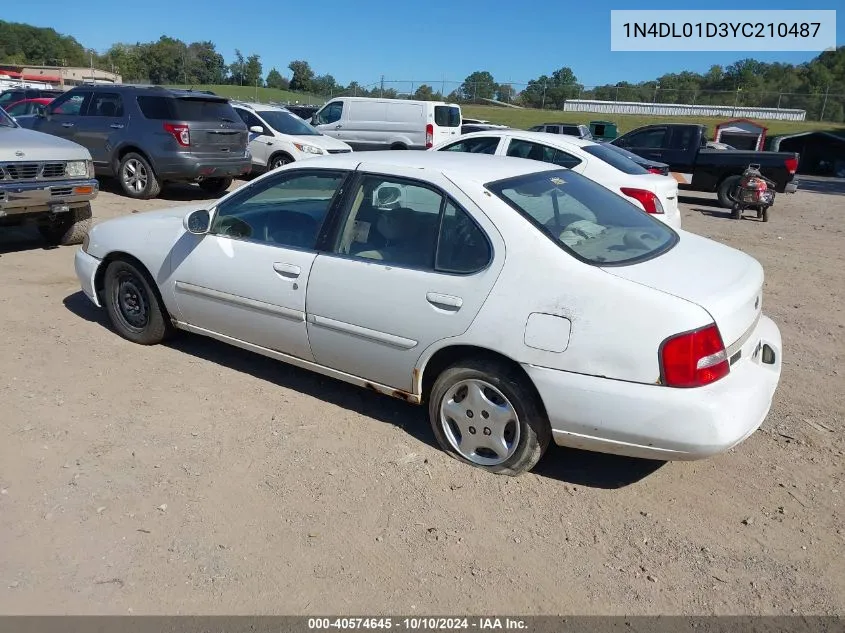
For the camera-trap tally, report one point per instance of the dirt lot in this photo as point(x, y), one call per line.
point(197, 478)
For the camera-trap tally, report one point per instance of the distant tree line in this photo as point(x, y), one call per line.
point(817, 86)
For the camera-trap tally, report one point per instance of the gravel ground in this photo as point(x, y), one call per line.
point(198, 478)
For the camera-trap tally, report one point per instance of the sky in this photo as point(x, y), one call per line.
point(432, 41)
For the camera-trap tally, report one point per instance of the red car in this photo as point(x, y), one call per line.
point(27, 106)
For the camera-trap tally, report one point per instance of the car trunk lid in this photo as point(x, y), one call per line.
point(722, 280)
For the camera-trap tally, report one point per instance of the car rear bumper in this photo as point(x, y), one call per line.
point(41, 197)
point(86, 270)
point(657, 422)
point(191, 167)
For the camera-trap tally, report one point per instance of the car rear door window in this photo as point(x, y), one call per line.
point(475, 145)
point(462, 247)
point(552, 129)
point(537, 151)
point(108, 104)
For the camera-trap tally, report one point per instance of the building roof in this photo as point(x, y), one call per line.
point(742, 120)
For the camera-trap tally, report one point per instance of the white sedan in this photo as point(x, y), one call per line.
point(521, 302)
point(653, 193)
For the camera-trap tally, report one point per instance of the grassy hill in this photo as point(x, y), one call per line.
point(525, 118)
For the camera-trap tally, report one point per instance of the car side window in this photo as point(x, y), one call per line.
point(647, 139)
point(286, 210)
point(476, 145)
point(71, 104)
point(544, 153)
point(552, 129)
point(107, 104)
point(250, 119)
point(331, 113)
point(403, 223)
point(462, 246)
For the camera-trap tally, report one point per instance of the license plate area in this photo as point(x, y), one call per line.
point(59, 208)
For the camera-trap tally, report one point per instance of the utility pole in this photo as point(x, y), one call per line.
point(824, 104)
point(92, 66)
point(543, 105)
point(736, 100)
point(382, 86)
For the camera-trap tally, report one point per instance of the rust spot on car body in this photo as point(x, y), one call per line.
point(393, 393)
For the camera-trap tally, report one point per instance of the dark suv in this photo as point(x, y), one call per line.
point(149, 135)
point(568, 129)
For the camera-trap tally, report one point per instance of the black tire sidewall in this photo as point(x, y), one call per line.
point(725, 188)
point(534, 431)
point(157, 326)
point(150, 190)
point(276, 157)
point(216, 186)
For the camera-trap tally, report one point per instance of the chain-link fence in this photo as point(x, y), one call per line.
point(819, 106)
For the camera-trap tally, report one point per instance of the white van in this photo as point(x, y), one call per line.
point(368, 124)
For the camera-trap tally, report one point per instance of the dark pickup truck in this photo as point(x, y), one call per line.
point(683, 147)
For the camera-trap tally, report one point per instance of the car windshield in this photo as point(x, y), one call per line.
point(587, 220)
point(287, 123)
point(614, 159)
point(6, 120)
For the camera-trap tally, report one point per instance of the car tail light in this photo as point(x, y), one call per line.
point(791, 165)
point(694, 359)
point(429, 135)
point(646, 198)
point(655, 170)
point(182, 133)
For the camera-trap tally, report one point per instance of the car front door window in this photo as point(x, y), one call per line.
point(331, 113)
point(287, 211)
point(72, 105)
point(648, 139)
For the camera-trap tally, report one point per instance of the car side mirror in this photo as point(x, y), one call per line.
point(197, 222)
point(257, 129)
point(314, 120)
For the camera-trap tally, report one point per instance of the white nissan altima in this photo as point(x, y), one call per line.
point(521, 302)
point(654, 193)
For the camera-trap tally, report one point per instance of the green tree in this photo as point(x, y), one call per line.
point(424, 93)
point(237, 69)
point(479, 85)
point(302, 75)
point(275, 80)
point(324, 85)
point(205, 64)
point(253, 71)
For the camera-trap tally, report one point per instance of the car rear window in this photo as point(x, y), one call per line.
point(447, 116)
point(193, 109)
point(585, 219)
point(615, 159)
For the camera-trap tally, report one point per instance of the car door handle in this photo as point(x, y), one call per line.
point(117, 126)
point(67, 124)
point(337, 127)
point(445, 302)
point(290, 271)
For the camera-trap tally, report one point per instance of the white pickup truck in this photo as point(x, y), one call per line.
point(45, 180)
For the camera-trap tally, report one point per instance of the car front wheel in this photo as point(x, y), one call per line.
point(67, 228)
point(486, 414)
point(133, 306)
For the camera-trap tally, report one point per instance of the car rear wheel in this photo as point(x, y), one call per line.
point(137, 177)
point(67, 228)
point(485, 414)
point(216, 186)
point(133, 305)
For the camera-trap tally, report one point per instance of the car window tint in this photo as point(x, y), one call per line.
point(157, 108)
point(392, 221)
point(105, 104)
point(584, 218)
point(615, 159)
point(462, 246)
point(287, 210)
point(476, 145)
point(544, 153)
point(552, 129)
point(447, 116)
point(647, 139)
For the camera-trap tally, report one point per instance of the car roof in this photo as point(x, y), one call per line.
point(544, 137)
point(479, 168)
point(161, 90)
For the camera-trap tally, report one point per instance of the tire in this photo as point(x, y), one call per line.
point(766, 214)
point(137, 178)
point(68, 228)
point(133, 304)
point(278, 160)
point(398, 146)
point(736, 211)
point(725, 188)
point(216, 186)
point(501, 395)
